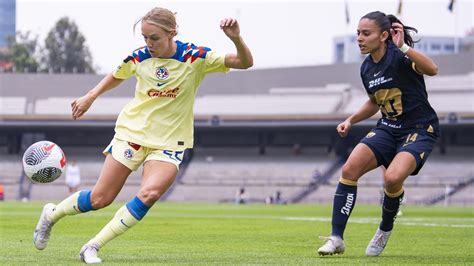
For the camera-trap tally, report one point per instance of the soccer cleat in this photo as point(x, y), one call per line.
point(378, 243)
point(333, 245)
point(43, 228)
point(89, 254)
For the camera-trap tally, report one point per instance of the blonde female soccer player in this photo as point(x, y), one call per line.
point(392, 75)
point(153, 129)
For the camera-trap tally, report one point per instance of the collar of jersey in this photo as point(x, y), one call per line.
point(390, 47)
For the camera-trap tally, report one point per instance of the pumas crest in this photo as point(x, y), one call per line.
point(162, 73)
point(370, 134)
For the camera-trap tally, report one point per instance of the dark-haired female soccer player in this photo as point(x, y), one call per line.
point(153, 129)
point(392, 75)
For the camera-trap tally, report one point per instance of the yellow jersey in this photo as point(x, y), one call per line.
point(161, 114)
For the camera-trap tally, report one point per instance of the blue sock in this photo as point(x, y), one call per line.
point(84, 201)
point(344, 201)
point(137, 208)
point(390, 209)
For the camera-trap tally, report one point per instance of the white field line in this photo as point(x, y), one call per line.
point(399, 221)
point(411, 221)
point(415, 221)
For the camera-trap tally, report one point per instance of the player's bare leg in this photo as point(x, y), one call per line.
point(109, 184)
point(157, 178)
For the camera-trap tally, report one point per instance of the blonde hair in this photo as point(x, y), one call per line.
point(160, 17)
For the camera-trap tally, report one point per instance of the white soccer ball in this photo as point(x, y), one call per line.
point(44, 162)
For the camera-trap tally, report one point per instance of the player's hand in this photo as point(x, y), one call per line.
point(231, 28)
point(398, 35)
point(343, 128)
point(81, 105)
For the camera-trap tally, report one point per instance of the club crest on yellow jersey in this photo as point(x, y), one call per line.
point(162, 73)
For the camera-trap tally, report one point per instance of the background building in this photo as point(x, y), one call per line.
point(346, 49)
point(7, 20)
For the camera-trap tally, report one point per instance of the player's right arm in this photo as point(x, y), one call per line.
point(368, 109)
point(82, 104)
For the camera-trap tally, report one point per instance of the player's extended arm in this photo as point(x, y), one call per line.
point(423, 63)
point(243, 59)
point(367, 110)
point(81, 105)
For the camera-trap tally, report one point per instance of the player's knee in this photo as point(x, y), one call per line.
point(392, 180)
point(350, 172)
point(150, 196)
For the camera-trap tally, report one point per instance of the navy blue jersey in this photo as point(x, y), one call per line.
point(400, 92)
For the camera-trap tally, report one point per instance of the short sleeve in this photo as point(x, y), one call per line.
point(215, 62)
point(126, 69)
point(363, 69)
point(407, 63)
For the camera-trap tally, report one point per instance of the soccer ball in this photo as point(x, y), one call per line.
point(44, 162)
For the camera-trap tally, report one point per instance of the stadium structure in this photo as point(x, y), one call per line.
point(266, 130)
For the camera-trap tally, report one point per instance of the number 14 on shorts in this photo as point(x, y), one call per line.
point(410, 138)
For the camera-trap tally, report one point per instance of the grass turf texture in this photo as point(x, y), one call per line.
point(173, 233)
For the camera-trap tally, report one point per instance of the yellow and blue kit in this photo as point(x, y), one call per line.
point(161, 114)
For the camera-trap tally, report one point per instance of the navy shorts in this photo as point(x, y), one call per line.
point(386, 143)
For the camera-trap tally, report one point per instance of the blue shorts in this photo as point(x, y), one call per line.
point(386, 143)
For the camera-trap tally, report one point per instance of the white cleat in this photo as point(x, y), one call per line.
point(333, 245)
point(378, 243)
point(43, 228)
point(89, 254)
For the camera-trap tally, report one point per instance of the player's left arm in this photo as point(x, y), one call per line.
point(243, 59)
point(423, 64)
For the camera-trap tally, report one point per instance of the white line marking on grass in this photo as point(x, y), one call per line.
point(453, 222)
point(414, 221)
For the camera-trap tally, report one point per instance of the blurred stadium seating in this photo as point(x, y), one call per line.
point(330, 102)
point(12, 105)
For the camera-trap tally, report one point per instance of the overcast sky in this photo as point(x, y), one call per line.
point(279, 33)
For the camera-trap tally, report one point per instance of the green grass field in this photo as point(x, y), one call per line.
point(245, 234)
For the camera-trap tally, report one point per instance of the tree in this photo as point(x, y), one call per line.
point(21, 52)
point(65, 49)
